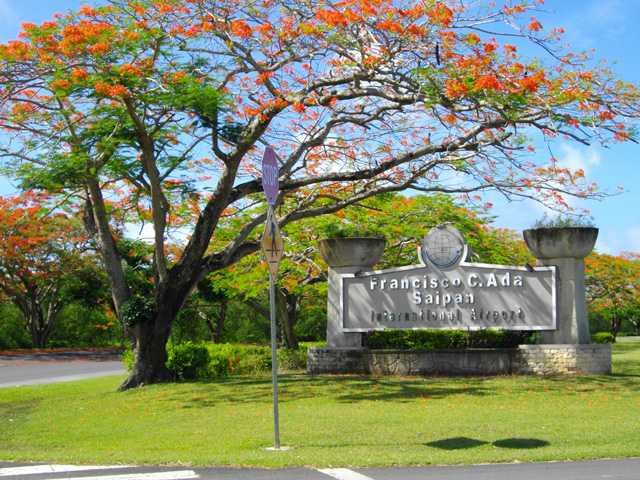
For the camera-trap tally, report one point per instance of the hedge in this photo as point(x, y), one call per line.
point(602, 337)
point(446, 339)
point(208, 360)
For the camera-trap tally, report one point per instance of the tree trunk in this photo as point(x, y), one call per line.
point(34, 317)
point(40, 322)
point(123, 334)
point(207, 322)
point(212, 330)
point(149, 344)
point(224, 306)
point(36, 322)
point(286, 313)
point(215, 331)
point(616, 322)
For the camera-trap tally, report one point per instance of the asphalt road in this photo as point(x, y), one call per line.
point(39, 368)
point(589, 470)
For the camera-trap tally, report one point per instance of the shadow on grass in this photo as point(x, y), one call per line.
point(353, 388)
point(401, 389)
point(456, 443)
point(18, 404)
point(343, 389)
point(464, 443)
point(521, 443)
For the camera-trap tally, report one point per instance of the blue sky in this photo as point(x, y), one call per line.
point(609, 26)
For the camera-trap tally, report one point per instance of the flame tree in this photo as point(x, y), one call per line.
point(613, 287)
point(158, 111)
point(40, 252)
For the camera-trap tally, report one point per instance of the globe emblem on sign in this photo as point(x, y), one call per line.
point(443, 246)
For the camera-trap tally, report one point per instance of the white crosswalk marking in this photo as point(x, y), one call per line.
point(43, 469)
point(175, 475)
point(344, 474)
point(57, 469)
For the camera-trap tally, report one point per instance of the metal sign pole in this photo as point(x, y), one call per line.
point(272, 246)
point(274, 362)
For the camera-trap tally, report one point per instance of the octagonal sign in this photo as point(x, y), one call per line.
point(270, 174)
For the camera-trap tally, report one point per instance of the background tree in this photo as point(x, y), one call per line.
point(207, 299)
point(13, 334)
point(403, 221)
point(613, 288)
point(40, 255)
point(158, 110)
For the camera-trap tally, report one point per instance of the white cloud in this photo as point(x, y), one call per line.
point(575, 158)
point(632, 241)
point(615, 241)
point(596, 23)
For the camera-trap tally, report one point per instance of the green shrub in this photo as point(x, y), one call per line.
point(416, 339)
point(13, 331)
point(445, 339)
point(501, 338)
point(350, 230)
point(137, 310)
point(292, 359)
point(561, 221)
point(188, 361)
point(127, 359)
point(532, 338)
point(13, 339)
point(602, 337)
point(487, 339)
point(227, 359)
point(79, 327)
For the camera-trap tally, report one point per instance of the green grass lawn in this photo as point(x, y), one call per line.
point(329, 421)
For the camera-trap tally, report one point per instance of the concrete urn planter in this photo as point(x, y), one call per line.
point(351, 251)
point(560, 242)
point(565, 248)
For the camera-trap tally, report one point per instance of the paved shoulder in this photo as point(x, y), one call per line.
point(15, 471)
point(21, 359)
point(53, 472)
point(36, 368)
point(625, 469)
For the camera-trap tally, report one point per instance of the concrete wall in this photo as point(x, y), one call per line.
point(525, 360)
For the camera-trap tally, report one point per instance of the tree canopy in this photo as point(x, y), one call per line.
point(42, 253)
point(613, 287)
point(158, 111)
point(402, 220)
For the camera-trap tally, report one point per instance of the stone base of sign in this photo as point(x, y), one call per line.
point(525, 360)
point(563, 360)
